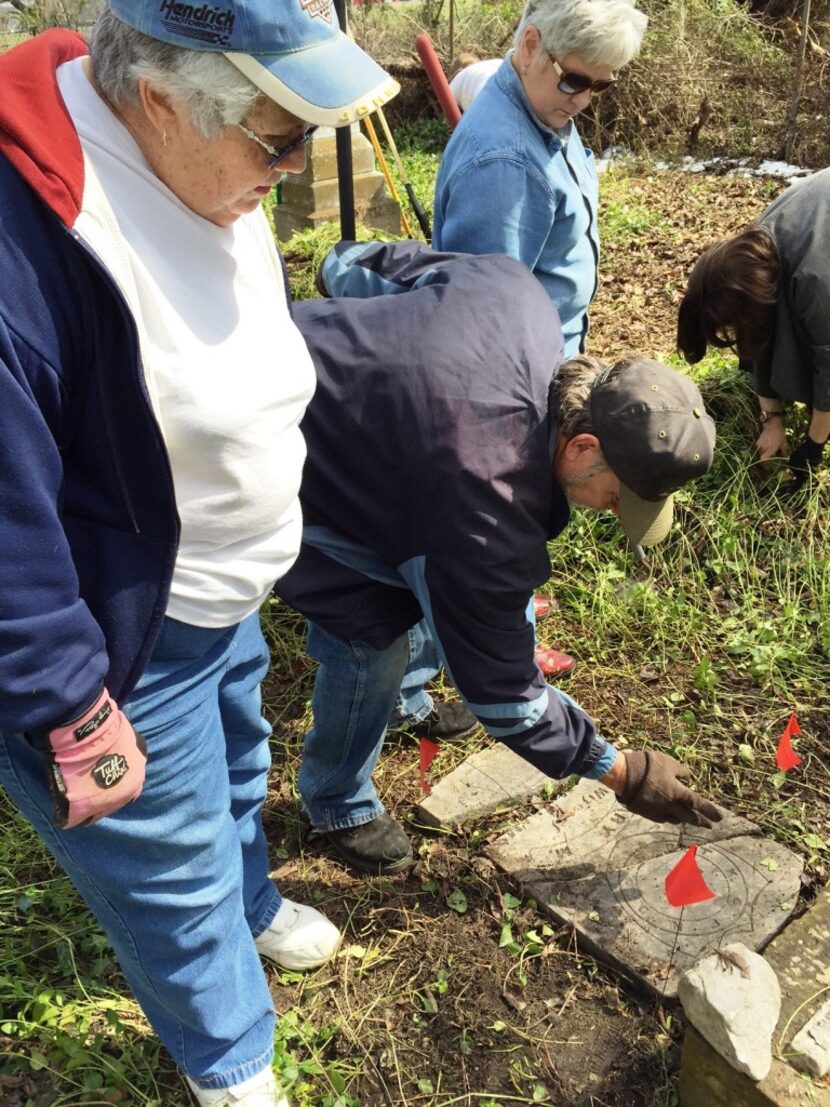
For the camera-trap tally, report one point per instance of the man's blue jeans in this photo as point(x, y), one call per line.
point(179, 878)
point(414, 703)
point(354, 693)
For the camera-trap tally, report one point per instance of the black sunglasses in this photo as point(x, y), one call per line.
point(572, 84)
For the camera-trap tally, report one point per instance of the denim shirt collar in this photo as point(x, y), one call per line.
point(508, 81)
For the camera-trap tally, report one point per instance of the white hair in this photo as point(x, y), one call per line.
point(604, 32)
point(203, 82)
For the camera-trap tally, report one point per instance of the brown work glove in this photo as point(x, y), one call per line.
point(654, 790)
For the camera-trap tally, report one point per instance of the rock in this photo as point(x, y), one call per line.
point(733, 999)
point(811, 1045)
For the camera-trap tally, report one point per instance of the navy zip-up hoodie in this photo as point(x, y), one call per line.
point(88, 523)
point(428, 485)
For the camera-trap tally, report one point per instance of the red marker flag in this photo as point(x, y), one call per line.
point(685, 884)
point(785, 756)
point(428, 751)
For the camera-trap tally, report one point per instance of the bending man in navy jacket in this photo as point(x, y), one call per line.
point(446, 440)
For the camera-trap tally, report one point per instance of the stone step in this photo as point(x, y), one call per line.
point(706, 1080)
point(490, 779)
point(801, 959)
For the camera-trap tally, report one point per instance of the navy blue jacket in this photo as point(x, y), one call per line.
point(428, 487)
point(88, 523)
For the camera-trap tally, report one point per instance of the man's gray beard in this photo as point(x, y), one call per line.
point(576, 482)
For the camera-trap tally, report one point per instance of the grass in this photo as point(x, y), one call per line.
point(704, 649)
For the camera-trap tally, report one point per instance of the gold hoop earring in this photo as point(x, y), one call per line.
point(164, 138)
point(524, 70)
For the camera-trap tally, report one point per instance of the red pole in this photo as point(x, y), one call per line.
point(440, 86)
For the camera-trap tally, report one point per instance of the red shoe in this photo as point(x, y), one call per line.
point(552, 662)
point(543, 605)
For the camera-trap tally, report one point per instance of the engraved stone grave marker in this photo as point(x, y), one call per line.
point(590, 863)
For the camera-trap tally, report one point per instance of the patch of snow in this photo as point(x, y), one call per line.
point(739, 166)
point(781, 169)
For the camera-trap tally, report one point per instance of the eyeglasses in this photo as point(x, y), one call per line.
point(278, 155)
point(572, 84)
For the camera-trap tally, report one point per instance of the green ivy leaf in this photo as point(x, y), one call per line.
point(457, 901)
point(814, 842)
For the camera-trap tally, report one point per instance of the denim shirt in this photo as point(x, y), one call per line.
point(509, 185)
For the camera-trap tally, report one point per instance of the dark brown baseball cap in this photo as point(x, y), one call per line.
point(656, 435)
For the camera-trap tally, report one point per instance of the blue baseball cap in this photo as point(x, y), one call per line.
point(292, 50)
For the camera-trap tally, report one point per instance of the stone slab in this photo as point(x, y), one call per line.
point(591, 864)
point(384, 215)
point(810, 1047)
point(801, 958)
point(491, 778)
point(321, 162)
point(706, 1080)
point(319, 195)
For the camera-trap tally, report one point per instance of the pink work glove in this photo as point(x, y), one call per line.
point(95, 764)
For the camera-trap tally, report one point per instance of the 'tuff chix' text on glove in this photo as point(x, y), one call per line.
point(95, 763)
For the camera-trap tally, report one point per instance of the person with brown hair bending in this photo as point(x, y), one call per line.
point(766, 293)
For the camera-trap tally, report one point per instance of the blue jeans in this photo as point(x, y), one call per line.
point(179, 879)
point(414, 703)
point(354, 693)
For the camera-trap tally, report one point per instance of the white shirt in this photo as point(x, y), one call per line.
point(468, 82)
point(227, 371)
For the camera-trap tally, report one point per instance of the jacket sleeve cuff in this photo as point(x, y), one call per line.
point(821, 378)
point(603, 755)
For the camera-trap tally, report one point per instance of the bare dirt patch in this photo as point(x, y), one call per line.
point(665, 220)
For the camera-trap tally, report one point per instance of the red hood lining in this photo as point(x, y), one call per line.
point(36, 131)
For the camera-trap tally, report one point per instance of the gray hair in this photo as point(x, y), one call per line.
point(212, 90)
point(573, 384)
point(604, 32)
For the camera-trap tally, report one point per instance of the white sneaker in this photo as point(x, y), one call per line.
point(258, 1091)
point(298, 938)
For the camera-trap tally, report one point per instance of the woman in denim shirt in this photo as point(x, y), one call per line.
point(515, 178)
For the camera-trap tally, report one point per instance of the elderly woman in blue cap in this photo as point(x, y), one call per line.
point(152, 383)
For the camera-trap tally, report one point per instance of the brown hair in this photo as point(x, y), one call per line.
point(461, 61)
point(730, 297)
point(574, 381)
